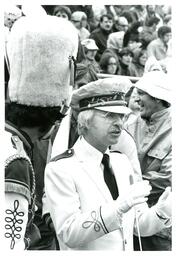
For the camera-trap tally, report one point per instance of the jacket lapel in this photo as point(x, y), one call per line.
point(97, 179)
point(92, 170)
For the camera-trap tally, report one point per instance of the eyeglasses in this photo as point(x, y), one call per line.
point(110, 115)
point(112, 63)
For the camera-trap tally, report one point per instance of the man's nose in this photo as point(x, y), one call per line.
point(119, 121)
point(138, 100)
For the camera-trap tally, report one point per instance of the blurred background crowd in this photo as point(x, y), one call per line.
point(114, 39)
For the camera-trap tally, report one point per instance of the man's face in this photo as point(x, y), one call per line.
point(104, 129)
point(62, 15)
point(148, 105)
point(151, 8)
point(90, 55)
point(166, 37)
point(106, 24)
point(122, 24)
point(134, 101)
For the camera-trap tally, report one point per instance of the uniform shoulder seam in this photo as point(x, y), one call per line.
point(66, 154)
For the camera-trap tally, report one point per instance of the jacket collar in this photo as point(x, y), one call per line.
point(160, 116)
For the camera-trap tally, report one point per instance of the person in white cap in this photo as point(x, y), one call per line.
point(121, 24)
point(90, 49)
point(40, 57)
point(79, 19)
point(92, 202)
point(152, 133)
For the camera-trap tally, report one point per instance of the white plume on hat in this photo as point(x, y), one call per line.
point(29, 10)
point(156, 84)
point(38, 50)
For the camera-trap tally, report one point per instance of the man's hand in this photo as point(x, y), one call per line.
point(164, 204)
point(136, 194)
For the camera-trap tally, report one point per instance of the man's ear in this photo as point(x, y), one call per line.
point(87, 124)
point(82, 129)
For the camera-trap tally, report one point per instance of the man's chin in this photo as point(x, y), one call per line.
point(115, 139)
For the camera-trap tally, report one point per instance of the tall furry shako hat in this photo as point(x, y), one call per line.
point(40, 52)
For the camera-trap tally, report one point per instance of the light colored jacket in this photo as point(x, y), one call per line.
point(125, 144)
point(157, 49)
point(154, 145)
point(81, 207)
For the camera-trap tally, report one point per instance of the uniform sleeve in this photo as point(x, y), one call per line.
point(74, 227)
point(18, 178)
point(159, 174)
point(16, 217)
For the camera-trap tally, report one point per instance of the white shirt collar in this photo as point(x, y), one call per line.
point(88, 152)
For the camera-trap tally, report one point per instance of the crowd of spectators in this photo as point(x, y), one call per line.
point(118, 39)
point(123, 37)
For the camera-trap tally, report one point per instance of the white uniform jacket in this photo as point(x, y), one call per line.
point(125, 144)
point(81, 207)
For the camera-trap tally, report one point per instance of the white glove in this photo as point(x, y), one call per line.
point(164, 204)
point(136, 194)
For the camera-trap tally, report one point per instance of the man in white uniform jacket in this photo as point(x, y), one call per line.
point(86, 214)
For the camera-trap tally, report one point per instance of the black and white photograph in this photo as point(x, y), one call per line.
point(87, 127)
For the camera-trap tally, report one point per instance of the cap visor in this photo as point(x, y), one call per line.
point(115, 109)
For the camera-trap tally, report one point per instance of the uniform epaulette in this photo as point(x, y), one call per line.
point(66, 154)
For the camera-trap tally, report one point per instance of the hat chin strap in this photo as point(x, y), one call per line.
point(105, 104)
point(72, 66)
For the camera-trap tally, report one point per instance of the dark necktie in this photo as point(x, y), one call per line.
point(109, 177)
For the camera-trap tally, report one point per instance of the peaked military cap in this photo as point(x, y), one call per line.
point(104, 94)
